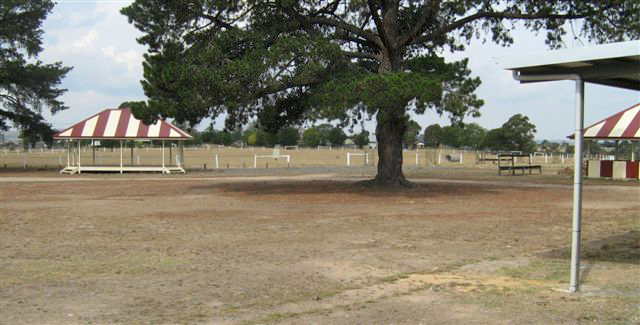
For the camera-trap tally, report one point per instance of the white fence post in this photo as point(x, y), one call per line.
point(217, 165)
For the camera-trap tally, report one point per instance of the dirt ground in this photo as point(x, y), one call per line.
point(461, 247)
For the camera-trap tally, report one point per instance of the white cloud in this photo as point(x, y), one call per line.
point(83, 104)
point(100, 45)
point(131, 58)
point(108, 51)
point(87, 42)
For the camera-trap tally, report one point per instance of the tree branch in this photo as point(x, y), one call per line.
point(362, 55)
point(427, 12)
point(352, 39)
point(373, 8)
point(219, 21)
point(373, 38)
point(499, 15)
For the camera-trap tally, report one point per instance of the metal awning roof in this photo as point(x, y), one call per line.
point(613, 64)
point(119, 123)
point(624, 125)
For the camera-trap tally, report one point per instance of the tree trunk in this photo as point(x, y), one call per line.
point(389, 134)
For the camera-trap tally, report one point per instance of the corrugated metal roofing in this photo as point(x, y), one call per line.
point(119, 123)
point(613, 64)
point(624, 125)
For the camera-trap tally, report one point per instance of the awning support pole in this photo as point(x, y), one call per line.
point(577, 167)
point(577, 188)
point(121, 171)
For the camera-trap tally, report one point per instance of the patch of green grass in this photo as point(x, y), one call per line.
point(395, 277)
point(327, 293)
point(273, 318)
point(493, 297)
point(230, 309)
point(451, 266)
point(18, 271)
point(546, 269)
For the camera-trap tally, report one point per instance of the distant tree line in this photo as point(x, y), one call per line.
point(517, 134)
point(255, 135)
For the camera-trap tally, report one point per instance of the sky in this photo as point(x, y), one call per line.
point(98, 42)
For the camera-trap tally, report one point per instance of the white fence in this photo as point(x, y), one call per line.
point(217, 156)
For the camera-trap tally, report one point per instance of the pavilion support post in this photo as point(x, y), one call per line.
point(79, 169)
point(633, 150)
point(68, 153)
point(577, 188)
point(93, 149)
point(132, 145)
point(617, 152)
point(163, 157)
point(181, 153)
point(121, 152)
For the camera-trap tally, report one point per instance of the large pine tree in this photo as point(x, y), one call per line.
point(285, 61)
point(26, 84)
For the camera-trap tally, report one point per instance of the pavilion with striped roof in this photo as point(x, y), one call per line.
point(624, 125)
point(120, 124)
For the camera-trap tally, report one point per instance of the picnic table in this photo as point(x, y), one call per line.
point(513, 167)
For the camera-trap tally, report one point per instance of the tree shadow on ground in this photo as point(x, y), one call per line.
point(350, 188)
point(624, 248)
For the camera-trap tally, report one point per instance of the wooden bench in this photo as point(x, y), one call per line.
point(522, 168)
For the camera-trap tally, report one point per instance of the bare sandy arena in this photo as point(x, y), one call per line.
point(313, 249)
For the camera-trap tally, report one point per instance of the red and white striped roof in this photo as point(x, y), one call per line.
point(119, 123)
point(624, 125)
